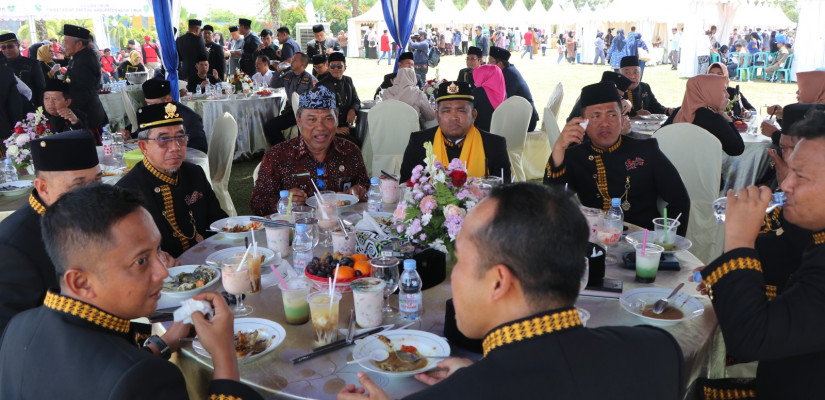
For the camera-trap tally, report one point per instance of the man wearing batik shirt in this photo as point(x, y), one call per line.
point(317, 155)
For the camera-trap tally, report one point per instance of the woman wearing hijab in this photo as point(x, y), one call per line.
point(404, 90)
point(599, 48)
point(719, 69)
point(133, 65)
point(753, 44)
point(706, 97)
point(47, 64)
point(617, 50)
point(633, 50)
point(561, 47)
point(811, 91)
point(488, 93)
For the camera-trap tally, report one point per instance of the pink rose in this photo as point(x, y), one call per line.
point(400, 211)
point(428, 204)
point(475, 191)
point(452, 210)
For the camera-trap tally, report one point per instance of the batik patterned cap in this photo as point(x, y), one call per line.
point(318, 98)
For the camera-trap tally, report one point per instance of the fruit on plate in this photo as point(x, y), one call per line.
point(741, 126)
point(321, 268)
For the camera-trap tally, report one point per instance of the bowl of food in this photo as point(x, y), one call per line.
point(137, 78)
point(254, 337)
point(345, 201)
point(741, 126)
point(15, 188)
point(419, 343)
point(681, 307)
point(235, 226)
point(186, 281)
point(350, 268)
point(220, 255)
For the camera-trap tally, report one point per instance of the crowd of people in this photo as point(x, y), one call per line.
point(70, 254)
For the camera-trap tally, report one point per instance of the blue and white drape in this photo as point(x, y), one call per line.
point(400, 18)
point(163, 23)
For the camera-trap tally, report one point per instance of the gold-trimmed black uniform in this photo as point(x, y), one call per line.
point(642, 98)
point(182, 206)
point(784, 334)
point(634, 170)
point(780, 245)
point(68, 349)
point(31, 74)
point(191, 47)
point(26, 272)
point(83, 76)
point(466, 75)
point(551, 355)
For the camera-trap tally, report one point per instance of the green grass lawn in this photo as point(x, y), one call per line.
point(541, 74)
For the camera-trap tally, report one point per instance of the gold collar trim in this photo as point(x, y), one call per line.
point(160, 175)
point(819, 237)
point(609, 149)
point(85, 311)
point(36, 205)
point(531, 327)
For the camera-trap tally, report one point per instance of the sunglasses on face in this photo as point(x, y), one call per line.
point(336, 66)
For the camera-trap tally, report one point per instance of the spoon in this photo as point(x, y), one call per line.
point(406, 356)
point(661, 304)
point(375, 355)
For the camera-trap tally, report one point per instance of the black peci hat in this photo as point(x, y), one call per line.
point(454, 90)
point(474, 50)
point(156, 88)
point(629, 61)
point(244, 22)
point(194, 22)
point(621, 81)
point(319, 59)
point(406, 56)
point(202, 56)
point(317, 28)
point(8, 37)
point(208, 28)
point(56, 85)
point(793, 113)
point(336, 56)
point(499, 54)
point(599, 93)
point(76, 32)
point(157, 115)
point(233, 28)
point(67, 151)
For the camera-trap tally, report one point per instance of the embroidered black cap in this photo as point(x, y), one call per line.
point(474, 50)
point(621, 81)
point(453, 90)
point(317, 98)
point(156, 88)
point(67, 151)
point(599, 93)
point(629, 61)
point(499, 54)
point(157, 115)
point(76, 32)
point(406, 56)
point(8, 37)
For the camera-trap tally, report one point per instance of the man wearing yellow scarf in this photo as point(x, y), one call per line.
point(482, 153)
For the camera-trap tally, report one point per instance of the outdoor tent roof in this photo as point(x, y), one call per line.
point(519, 14)
point(60, 9)
point(762, 16)
point(374, 14)
point(472, 13)
point(496, 14)
point(537, 14)
point(445, 13)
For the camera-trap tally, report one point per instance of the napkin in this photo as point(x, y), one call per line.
point(189, 306)
point(369, 224)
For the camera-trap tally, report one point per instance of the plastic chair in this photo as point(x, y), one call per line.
point(390, 124)
point(551, 126)
point(130, 109)
point(5, 214)
point(785, 70)
point(744, 67)
point(760, 60)
point(221, 151)
point(255, 173)
point(554, 103)
point(511, 120)
point(715, 58)
point(697, 155)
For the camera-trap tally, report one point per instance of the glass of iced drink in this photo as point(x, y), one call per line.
point(647, 262)
point(368, 296)
point(278, 237)
point(592, 215)
point(324, 312)
point(343, 243)
point(237, 281)
point(665, 237)
point(389, 190)
point(294, 295)
point(327, 214)
point(609, 230)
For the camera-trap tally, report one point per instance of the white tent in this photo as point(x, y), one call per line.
point(519, 16)
point(424, 16)
point(555, 15)
point(763, 16)
point(497, 14)
point(586, 27)
point(445, 13)
point(809, 36)
point(537, 15)
point(472, 13)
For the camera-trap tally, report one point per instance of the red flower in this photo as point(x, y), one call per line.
point(458, 177)
point(48, 126)
point(40, 129)
point(410, 183)
point(18, 129)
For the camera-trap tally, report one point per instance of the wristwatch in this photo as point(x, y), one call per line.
point(163, 348)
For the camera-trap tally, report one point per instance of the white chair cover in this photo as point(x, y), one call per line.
point(554, 103)
point(511, 120)
point(697, 155)
point(390, 124)
point(296, 99)
point(255, 173)
point(551, 126)
point(4, 214)
point(221, 151)
point(130, 109)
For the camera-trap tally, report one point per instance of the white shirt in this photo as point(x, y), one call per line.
point(262, 79)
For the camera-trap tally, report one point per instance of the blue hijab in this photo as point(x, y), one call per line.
point(618, 41)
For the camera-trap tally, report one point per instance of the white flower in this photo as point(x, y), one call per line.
point(13, 150)
point(438, 244)
point(440, 176)
point(452, 210)
point(21, 140)
point(425, 219)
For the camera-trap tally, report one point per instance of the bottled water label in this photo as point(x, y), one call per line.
point(374, 207)
point(301, 260)
point(107, 149)
point(409, 305)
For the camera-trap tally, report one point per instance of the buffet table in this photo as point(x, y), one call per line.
point(745, 169)
point(321, 378)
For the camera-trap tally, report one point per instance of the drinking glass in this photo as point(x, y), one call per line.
point(609, 230)
point(306, 215)
point(386, 269)
point(585, 276)
point(327, 213)
point(237, 280)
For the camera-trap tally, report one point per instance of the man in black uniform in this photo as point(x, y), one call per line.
point(25, 68)
point(622, 83)
point(201, 77)
point(783, 334)
point(456, 137)
point(639, 93)
point(346, 97)
point(11, 102)
point(177, 194)
point(63, 162)
point(159, 91)
point(268, 48)
point(191, 47)
point(320, 67)
point(520, 300)
point(473, 60)
point(56, 102)
point(217, 59)
point(251, 42)
point(83, 76)
point(105, 247)
point(599, 164)
point(322, 44)
point(513, 81)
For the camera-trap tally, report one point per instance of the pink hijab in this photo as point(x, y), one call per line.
point(701, 91)
point(491, 79)
point(811, 86)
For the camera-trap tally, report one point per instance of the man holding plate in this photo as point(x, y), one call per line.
point(177, 193)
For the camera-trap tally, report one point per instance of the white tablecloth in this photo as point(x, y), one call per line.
point(116, 111)
point(744, 170)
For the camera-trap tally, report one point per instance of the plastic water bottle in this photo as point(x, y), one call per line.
point(615, 210)
point(433, 103)
point(410, 302)
point(283, 203)
point(374, 202)
point(721, 205)
point(9, 172)
point(106, 137)
point(301, 248)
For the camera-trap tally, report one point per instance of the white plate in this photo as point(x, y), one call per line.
point(183, 295)
point(15, 188)
point(219, 255)
point(221, 224)
point(633, 301)
point(660, 117)
point(313, 202)
point(681, 243)
point(271, 328)
point(426, 343)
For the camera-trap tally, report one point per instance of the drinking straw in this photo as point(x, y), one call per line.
point(278, 275)
point(502, 176)
point(320, 199)
point(289, 205)
point(677, 217)
point(644, 244)
point(332, 287)
point(665, 239)
point(565, 188)
point(243, 259)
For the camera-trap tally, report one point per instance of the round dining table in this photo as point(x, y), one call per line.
point(275, 376)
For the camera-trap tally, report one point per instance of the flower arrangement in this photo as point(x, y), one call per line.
point(439, 199)
point(17, 145)
point(238, 80)
point(431, 87)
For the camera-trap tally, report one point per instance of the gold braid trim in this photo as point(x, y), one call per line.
point(223, 397)
point(609, 149)
point(553, 175)
point(160, 175)
point(36, 205)
point(731, 265)
point(771, 222)
point(534, 327)
point(601, 182)
point(88, 312)
point(819, 238)
point(770, 292)
point(169, 213)
point(630, 98)
point(728, 394)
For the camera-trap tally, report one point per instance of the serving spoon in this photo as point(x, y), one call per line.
point(661, 304)
point(375, 355)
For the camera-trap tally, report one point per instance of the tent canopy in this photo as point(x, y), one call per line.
point(58, 9)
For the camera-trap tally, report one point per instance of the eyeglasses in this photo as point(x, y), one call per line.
point(336, 66)
point(320, 171)
point(471, 59)
point(165, 141)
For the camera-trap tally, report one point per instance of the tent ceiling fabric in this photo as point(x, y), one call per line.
point(60, 9)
